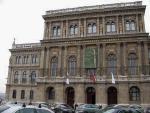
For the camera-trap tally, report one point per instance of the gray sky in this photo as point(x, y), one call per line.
point(22, 19)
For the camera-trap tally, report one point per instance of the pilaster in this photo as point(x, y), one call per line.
point(85, 27)
point(123, 27)
point(104, 59)
point(78, 60)
point(139, 58)
point(103, 22)
point(98, 26)
point(137, 23)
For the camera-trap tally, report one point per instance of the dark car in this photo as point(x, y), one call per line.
point(147, 110)
point(120, 110)
point(63, 108)
point(88, 108)
point(137, 107)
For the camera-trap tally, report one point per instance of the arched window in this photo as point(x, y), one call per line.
point(56, 31)
point(34, 59)
point(31, 94)
point(73, 29)
point(16, 77)
point(130, 25)
point(72, 65)
point(51, 93)
point(14, 94)
point(33, 77)
point(110, 27)
point(24, 79)
point(92, 28)
point(18, 58)
point(54, 66)
point(111, 64)
point(22, 94)
point(25, 60)
point(134, 94)
point(132, 64)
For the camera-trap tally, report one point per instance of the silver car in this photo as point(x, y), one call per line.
point(12, 108)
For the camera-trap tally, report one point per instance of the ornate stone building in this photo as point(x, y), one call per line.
point(86, 46)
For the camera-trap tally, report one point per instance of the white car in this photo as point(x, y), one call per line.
point(12, 108)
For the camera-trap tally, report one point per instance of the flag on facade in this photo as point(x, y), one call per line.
point(112, 78)
point(93, 78)
point(67, 79)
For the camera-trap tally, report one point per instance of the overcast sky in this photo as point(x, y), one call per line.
point(22, 20)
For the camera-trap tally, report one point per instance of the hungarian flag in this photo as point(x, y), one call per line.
point(93, 78)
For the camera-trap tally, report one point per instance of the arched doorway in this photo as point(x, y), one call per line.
point(90, 95)
point(70, 96)
point(112, 95)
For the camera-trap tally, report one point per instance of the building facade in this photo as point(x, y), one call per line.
point(87, 46)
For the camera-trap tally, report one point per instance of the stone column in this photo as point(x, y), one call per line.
point(124, 58)
point(45, 30)
point(85, 27)
point(103, 22)
point(60, 62)
point(139, 58)
point(62, 27)
point(47, 61)
point(79, 28)
point(98, 59)
point(97, 26)
point(118, 59)
point(82, 65)
point(117, 24)
point(143, 23)
point(65, 61)
point(67, 32)
point(78, 60)
point(146, 53)
point(137, 23)
point(42, 61)
point(104, 59)
point(123, 27)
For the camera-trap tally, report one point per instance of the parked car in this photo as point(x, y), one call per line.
point(147, 110)
point(63, 108)
point(14, 108)
point(121, 110)
point(87, 108)
point(137, 107)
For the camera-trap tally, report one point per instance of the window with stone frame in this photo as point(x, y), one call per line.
point(34, 59)
point(72, 65)
point(130, 25)
point(54, 66)
point(18, 59)
point(91, 28)
point(16, 77)
point(24, 77)
point(73, 29)
point(25, 59)
point(134, 93)
point(132, 64)
point(111, 64)
point(33, 77)
point(14, 94)
point(56, 31)
point(22, 94)
point(110, 27)
point(31, 94)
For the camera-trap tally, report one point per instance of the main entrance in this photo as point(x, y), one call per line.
point(70, 96)
point(112, 95)
point(90, 95)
